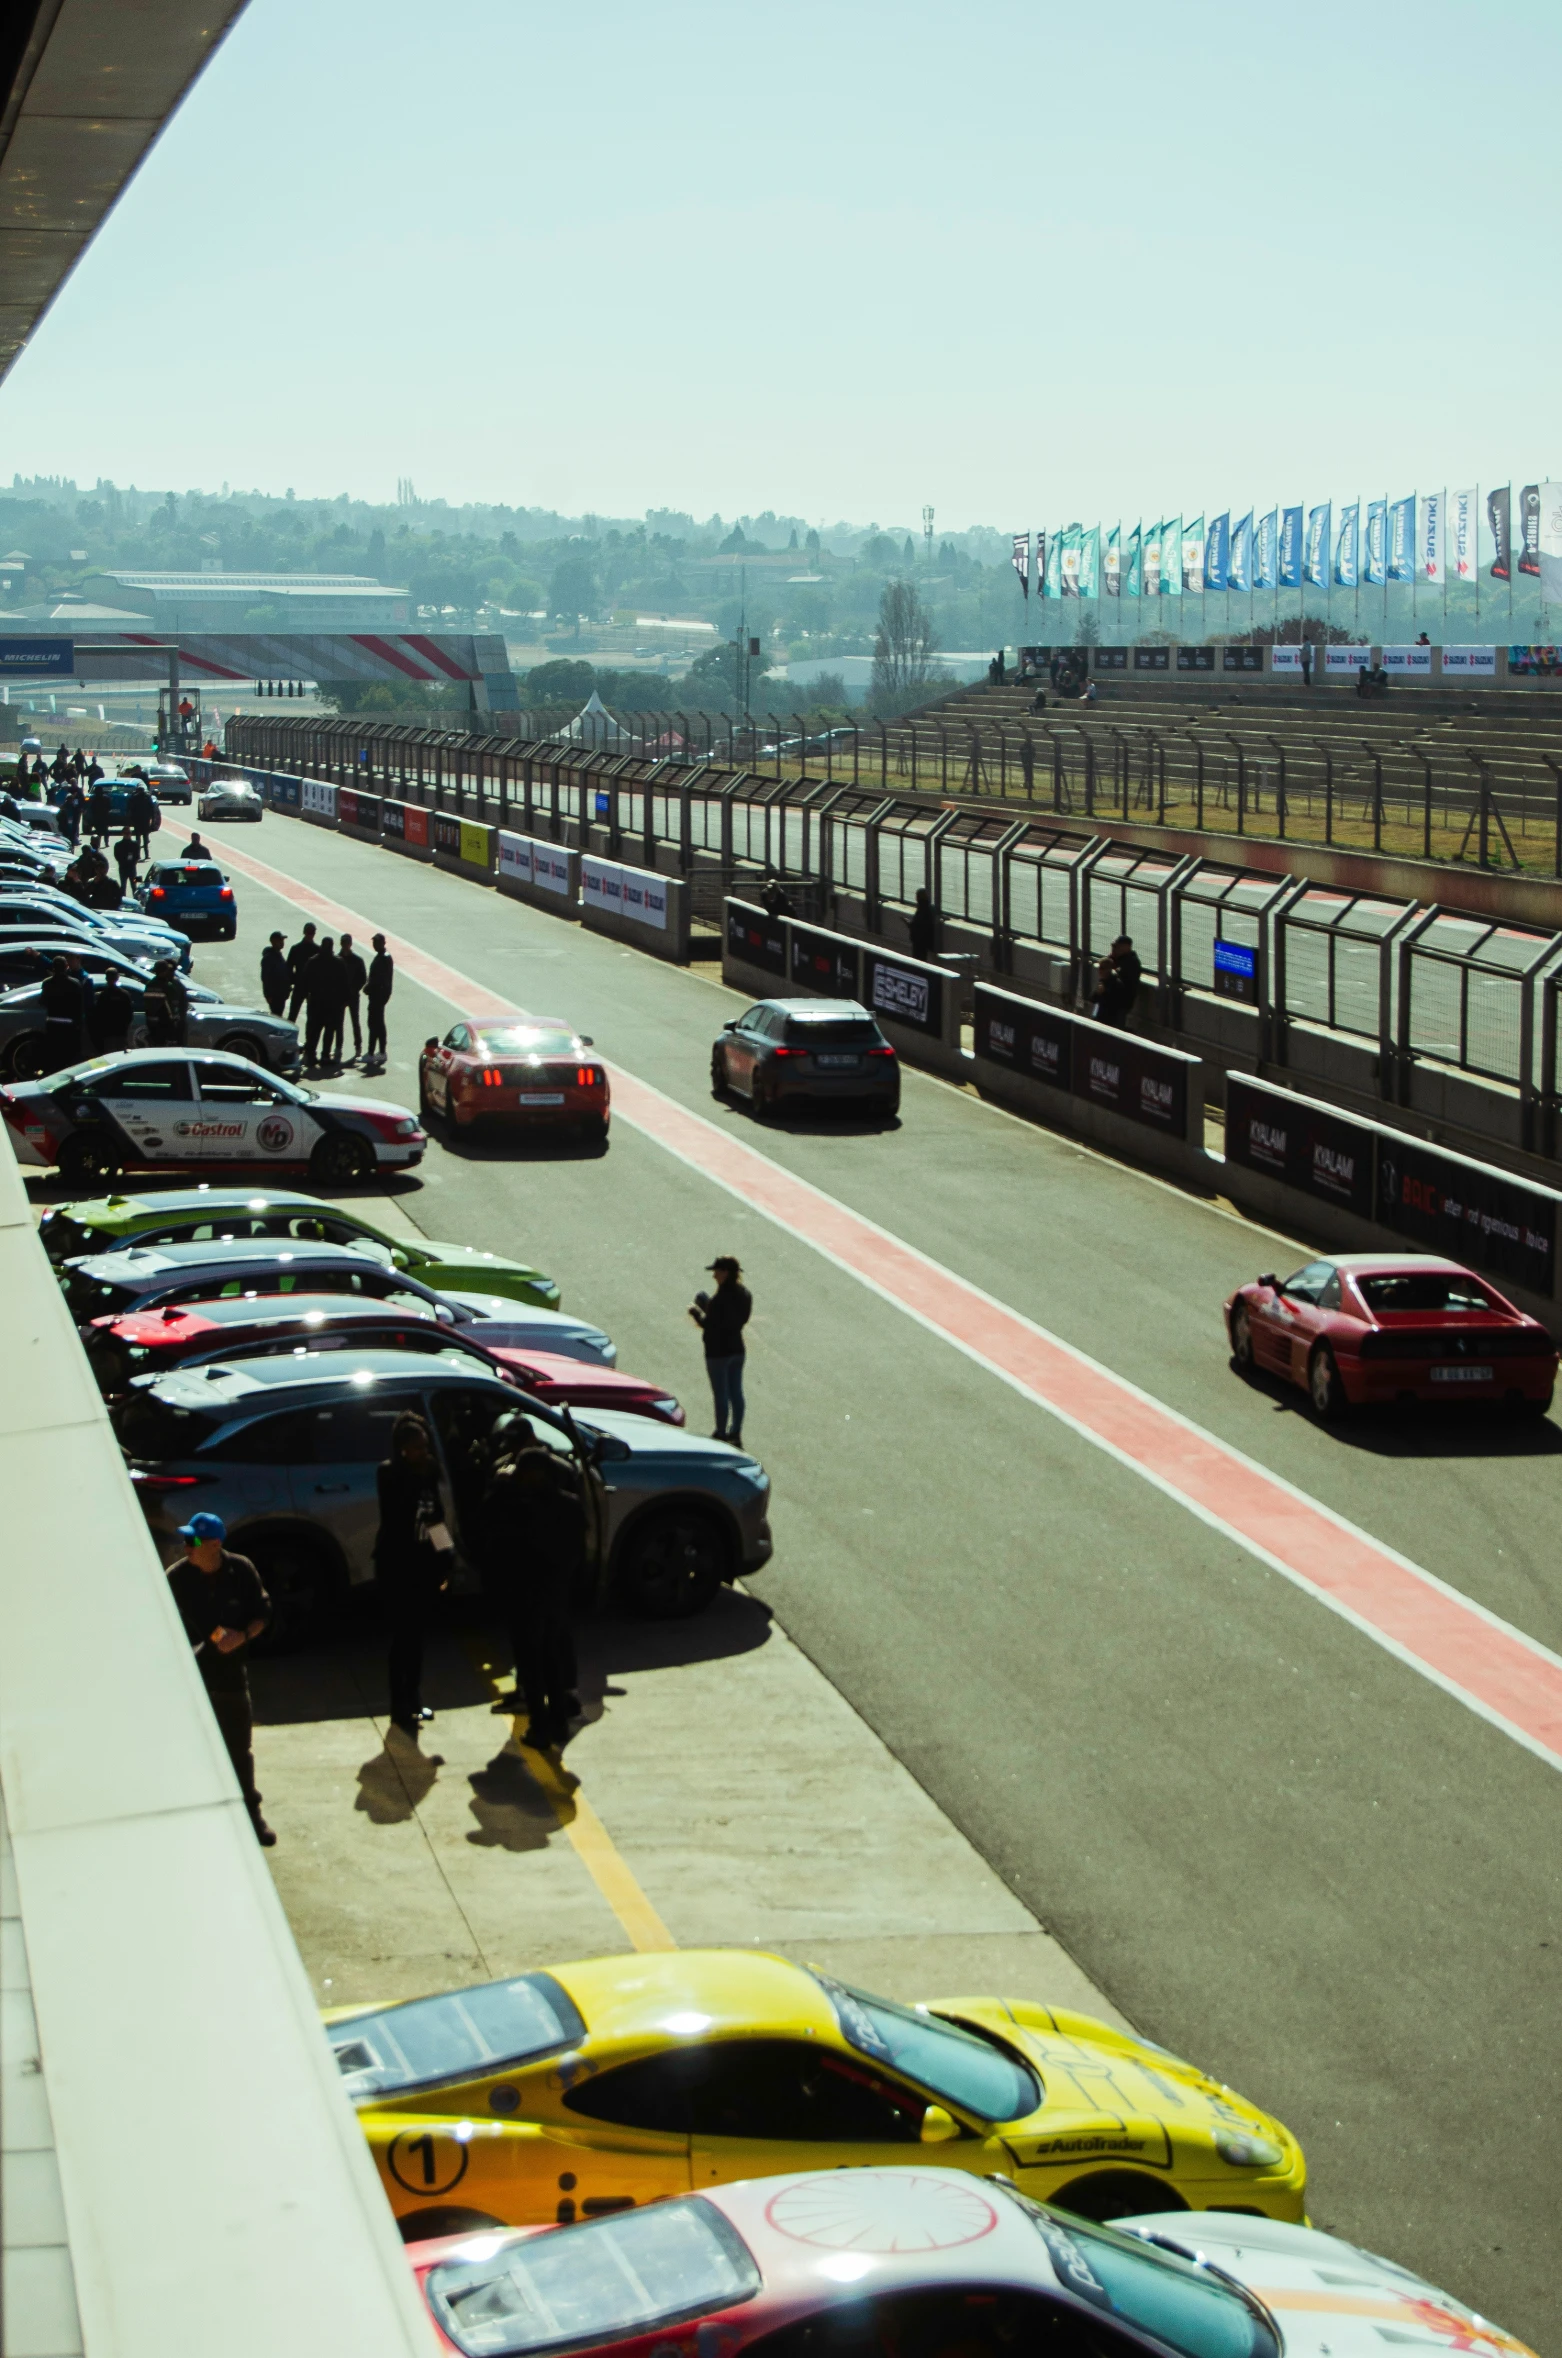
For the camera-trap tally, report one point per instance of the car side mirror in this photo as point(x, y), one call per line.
point(429, 1046)
point(732, 1026)
point(938, 2126)
point(1271, 1281)
point(586, 1040)
point(398, 1258)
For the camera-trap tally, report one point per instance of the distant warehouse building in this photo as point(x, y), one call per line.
point(217, 601)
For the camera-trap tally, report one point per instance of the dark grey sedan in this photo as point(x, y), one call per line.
point(785, 1050)
point(286, 1451)
point(250, 1032)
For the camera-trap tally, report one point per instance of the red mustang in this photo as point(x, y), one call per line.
point(523, 1075)
point(571, 1383)
point(1391, 1326)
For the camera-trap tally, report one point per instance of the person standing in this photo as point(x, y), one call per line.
point(195, 849)
point(100, 812)
point(69, 808)
point(224, 1607)
point(141, 811)
point(722, 1317)
point(320, 1002)
point(165, 1007)
point(533, 1546)
point(64, 1016)
point(110, 1016)
point(377, 991)
point(412, 1561)
point(273, 974)
point(924, 926)
point(127, 858)
point(351, 976)
point(298, 960)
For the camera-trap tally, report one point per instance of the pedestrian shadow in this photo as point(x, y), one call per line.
point(513, 1811)
point(732, 1624)
point(395, 1780)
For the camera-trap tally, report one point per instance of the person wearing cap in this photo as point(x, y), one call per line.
point(165, 1007)
point(224, 1608)
point(721, 1317)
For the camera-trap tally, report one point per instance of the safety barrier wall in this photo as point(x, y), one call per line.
point(404, 827)
point(917, 1005)
point(463, 845)
point(1092, 1078)
point(636, 905)
point(546, 875)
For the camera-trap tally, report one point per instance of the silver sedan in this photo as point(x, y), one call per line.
point(231, 798)
point(209, 1023)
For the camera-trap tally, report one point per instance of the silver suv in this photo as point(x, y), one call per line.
point(286, 1451)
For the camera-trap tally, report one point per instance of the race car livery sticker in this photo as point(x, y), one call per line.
point(275, 1134)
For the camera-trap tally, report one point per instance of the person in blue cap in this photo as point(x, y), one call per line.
point(224, 1609)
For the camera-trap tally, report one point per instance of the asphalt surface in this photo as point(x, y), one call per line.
point(1281, 1851)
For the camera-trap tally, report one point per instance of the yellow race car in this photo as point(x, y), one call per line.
point(597, 2086)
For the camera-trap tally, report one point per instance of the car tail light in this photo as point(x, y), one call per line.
point(789, 1052)
point(156, 893)
point(588, 1076)
point(226, 893)
point(883, 1050)
point(156, 1484)
point(491, 1077)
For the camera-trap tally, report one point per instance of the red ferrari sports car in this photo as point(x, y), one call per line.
point(1391, 1326)
point(525, 1076)
point(848, 2263)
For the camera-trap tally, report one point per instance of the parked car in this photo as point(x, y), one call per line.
point(174, 1215)
point(785, 1050)
point(25, 908)
point(161, 1277)
point(863, 2262)
point(193, 894)
point(161, 1108)
point(251, 1032)
point(1392, 1326)
point(231, 798)
point(286, 1450)
point(168, 781)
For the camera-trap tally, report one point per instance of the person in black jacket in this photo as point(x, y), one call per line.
point(924, 926)
point(412, 1560)
point(273, 974)
point(382, 981)
point(110, 1016)
point(533, 1526)
point(64, 1016)
point(299, 959)
point(224, 1607)
point(351, 975)
point(721, 1317)
point(322, 1004)
point(165, 1007)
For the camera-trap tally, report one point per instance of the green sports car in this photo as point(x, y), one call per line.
point(180, 1215)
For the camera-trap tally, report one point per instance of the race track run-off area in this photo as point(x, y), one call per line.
point(1260, 1720)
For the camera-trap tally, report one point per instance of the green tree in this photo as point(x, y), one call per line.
point(566, 681)
point(902, 648)
point(573, 590)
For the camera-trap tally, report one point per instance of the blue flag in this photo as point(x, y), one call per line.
point(1239, 573)
point(1402, 539)
point(1217, 552)
point(1375, 570)
point(1290, 548)
point(1317, 559)
point(1346, 572)
point(1267, 551)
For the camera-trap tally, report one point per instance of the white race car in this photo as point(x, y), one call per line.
point(231, 798)
point(160, 1109)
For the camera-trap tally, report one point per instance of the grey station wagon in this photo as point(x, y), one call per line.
point(285, 1450)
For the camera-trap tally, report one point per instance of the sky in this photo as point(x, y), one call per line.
point(1025, 262)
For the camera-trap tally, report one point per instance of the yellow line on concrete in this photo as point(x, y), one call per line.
point(593, 1844)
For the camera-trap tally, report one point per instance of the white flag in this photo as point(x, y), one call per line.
point(1462, 513)
point(1429, 537)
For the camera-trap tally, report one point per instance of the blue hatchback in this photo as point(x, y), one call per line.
point(192, 894)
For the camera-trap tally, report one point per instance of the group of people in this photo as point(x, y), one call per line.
point(523, 1526)
point(336, 990)
point(82, 1017)
point(39, 778)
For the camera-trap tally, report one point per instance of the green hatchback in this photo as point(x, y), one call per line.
point(181, 1215)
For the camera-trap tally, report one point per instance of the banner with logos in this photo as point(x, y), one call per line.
point(1470, 662)
point(1468, 1211)
point(1346, 659)
point(825, 962)
point(616, 891)
point(1529, 529)
point(1463, 515)
point(319, 798)
point(1192, 556)
point(1430, 535)
point(1240, 575)
point(1171, 558)
point(1118, 1071)
point(1315, 564)
point(756, 938)
point(903, 991)
point(1020, 560)
point(1550, 540)
point(1291, 548)
point(1402, 539)
point(1133, 563)
point(1266, 551)
point(1375, 566)
point(1112, 563)
point(1499, 517)
point(1303, 1144)
point(355, 809)
point(1152, 560)
point(1346, 569)
point(1404, 661)
point(1217, 553)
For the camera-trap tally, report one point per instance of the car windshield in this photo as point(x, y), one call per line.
point(455, 2036)
point(1422, 1290)
point(600, 2282)
point(951, 2063)
point(1181, 2303)
point(834, 1031)
point(523, 1039)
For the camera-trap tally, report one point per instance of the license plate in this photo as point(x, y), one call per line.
point(838, 1063)
point(542, 1097)
point(1462, 1375)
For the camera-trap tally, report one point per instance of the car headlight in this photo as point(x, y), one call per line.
point(1246, 2152)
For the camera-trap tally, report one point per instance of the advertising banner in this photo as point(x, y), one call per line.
point(1195, 658)
point(550, 868)
point(1346, 661)
point(826, 963)
point(1193, 557)
point(36, 659)
point(393, 821)
point(1266, 551)
point(759, 940)
point(319, 798)
point(1020, 560)
point(1499, 517)
point(1346, 571)
point(1050, 581)
point(1152, 560)
point(1470, 662)
point(445, 832)
point(1550, 541)
point(645, 897)
point(514, 857)
point(1536, 663)
point(1112, 563)
point(1285, 659)
point(1529, 529)
point(1494, 1222)
point(1034, 1041)
point(1316, 561)
point(1408, 661)
point(601, 885)
point(1463, 513)
point(1375, 566)
point(1241, 658)
point(475, 841)
point(1069, 563)
point(1217, 552)
point(1171, 558)
point(414, 825)
point(1041, 563)
point(1129, 1077)
point(1240, 573)
point(356, 809)
point(1133, 564)
point(1090, 563)
point(1430, 552)
point(1152, 658)
point(284, 794)
point(1290, 548)
point(1307, 1146)
point(904, 993)
point(1402, 539)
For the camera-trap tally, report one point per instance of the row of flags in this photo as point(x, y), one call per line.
point(1430, 537)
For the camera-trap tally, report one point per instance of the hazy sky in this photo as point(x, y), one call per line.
point(1028, 262)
